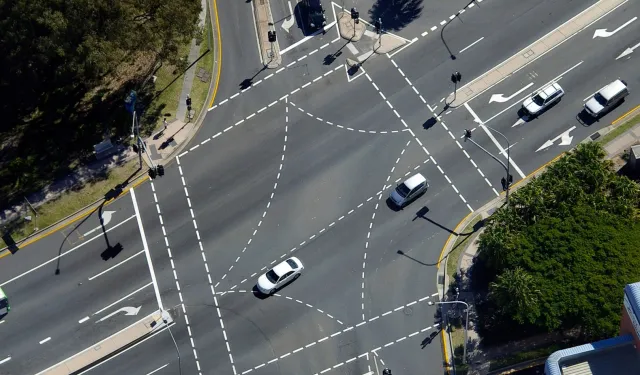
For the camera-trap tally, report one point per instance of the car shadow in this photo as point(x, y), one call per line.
point(258, 294)
point(585, 119)
point(392, 205)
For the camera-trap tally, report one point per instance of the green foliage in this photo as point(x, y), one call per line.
point(560, 254)
point(56, 56)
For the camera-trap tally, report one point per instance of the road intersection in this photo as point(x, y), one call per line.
point(299, 160)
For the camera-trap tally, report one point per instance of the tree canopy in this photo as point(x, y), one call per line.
point(559, 255)
point(57, 56)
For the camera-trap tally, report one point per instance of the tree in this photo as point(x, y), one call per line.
point(560, 254)
point(516, 294)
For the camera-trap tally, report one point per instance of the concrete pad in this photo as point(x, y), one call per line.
point(590, 16)
point(553, 39)
point(388, 43)
point(569, 29)
point(492, 78)
point(512, 65)
point(620, 143)
point(636, 131)
point(538, 49)
point(348, 28)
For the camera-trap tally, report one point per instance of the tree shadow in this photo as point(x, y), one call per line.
point(397, 14)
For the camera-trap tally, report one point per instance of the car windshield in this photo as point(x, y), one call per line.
point(600, 99)
point(538, 99)
point(292, 263)
point(403, 190)
point(271, 276)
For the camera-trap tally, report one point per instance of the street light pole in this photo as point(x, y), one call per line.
point(509, 179)
point(176, 345)
point(466, 325)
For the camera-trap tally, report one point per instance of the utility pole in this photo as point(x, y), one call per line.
point(466, 326)
point(506, 182)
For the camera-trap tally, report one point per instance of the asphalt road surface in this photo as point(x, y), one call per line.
point(299, 161)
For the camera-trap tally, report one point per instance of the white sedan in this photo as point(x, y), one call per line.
point(280, 275)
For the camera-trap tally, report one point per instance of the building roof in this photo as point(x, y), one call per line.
point(611, 356)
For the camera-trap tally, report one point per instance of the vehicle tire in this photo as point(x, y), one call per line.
point(272, 291)
point(296, 277)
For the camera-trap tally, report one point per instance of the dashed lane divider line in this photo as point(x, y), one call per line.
point(376, 350)
point(399, 308)
point(288, 66)
point(206, 266)
point(323, 230)
point(451, 17)
point(287, 297)
point(345, 127)
point(176, 279)
point(273, 192)
point(435, 115)
point(418, 140)
point(373, 217)
point(283, 98)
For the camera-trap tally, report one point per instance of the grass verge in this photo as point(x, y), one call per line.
point(459, 246)
point(74, 200)
point(618, 130)
point(200, 90)
point(457, 341)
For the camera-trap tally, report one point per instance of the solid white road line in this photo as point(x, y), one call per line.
point(471, 45)
point(66, 252)
point(495, 141)
point(5, 360)
point(83, 320)
point(294, 45)
point(146, 250)
point(121, 299)
point(160, 368)
point(45, 340)
point(112, 267)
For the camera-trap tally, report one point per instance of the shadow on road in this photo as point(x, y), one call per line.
point(395, 14)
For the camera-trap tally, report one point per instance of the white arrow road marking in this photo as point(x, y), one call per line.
point(286, 25)
point(565, 140)
point(603, 33)
point(104, 220)
point(127, 311)
point(628, 51)
point(500, 98)
point(519, 122)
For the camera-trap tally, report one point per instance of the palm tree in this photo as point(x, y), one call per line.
point(516, 295)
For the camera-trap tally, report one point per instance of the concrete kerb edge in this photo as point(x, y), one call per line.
point(138, 179)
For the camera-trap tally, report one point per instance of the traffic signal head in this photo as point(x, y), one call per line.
point(467, 133)
point(272, 36)
point(152, 173)
point(160, 170)
point(378, 25)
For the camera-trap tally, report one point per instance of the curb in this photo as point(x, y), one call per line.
point(136, 180)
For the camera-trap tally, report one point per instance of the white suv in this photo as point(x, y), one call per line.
point(541, 100)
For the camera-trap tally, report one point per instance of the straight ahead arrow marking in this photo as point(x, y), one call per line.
point(566, 140)
point(628, 51)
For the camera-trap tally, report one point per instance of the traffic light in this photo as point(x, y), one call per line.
point(378, 25)
point(160, 169)
point(188, 102)
point(510, 179)
point(386, 372)
point(467, 133)
point(456, 77)
point(503, 181)
point(152, 173)
point(271, 34)
point(355, 15)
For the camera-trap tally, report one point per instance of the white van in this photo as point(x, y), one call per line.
point(608, 97)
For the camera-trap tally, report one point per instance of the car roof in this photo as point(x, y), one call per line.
point(282, 268)
point(549, 90)
point(415, 180)
point(612, 89)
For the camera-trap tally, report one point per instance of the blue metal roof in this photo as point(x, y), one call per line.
point(553, 363)
point(633, 295)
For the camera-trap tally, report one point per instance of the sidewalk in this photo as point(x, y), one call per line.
point(478, 364)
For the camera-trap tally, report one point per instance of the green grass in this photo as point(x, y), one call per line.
point(74, 200)
point(459, 246)
point(200, 90)
point(168, 84)
point(527, 355)
point(618, 130)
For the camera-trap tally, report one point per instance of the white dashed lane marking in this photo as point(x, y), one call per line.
point(321, 231)
point(206, 267)
point(451, 17)
point(373, 217)
point(420, 142)
point(175, 277)
point(273, 192)
point(291, 299)
point(344, 331)
point(346, 128)
point(435, 115)
point(285, 97)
